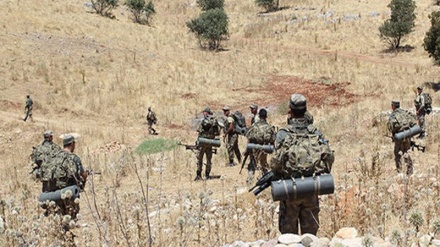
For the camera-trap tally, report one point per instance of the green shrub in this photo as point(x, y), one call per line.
point(104, 7)
point(210, 4)
point(155, 146)
point(431, 43)
point(210, 28)
point(142, 12)
point(268, 5)
point(400, 24)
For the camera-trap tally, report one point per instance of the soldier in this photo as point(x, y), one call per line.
point(151, 119)
point(230, 137)
point(419, 103)
point(303, 211)
point(266, 135)
point(43, 153)
point(401, 147)
point(308, 116)
point(66, 170)
point(208, 128)
point(254, 111)
point(28, 108)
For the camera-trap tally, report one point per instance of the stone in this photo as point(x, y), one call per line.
point(347, 233)
point(289, 238)
point(307, 239)
point(425, 240)
point(270, 243)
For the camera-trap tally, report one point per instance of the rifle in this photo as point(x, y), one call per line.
point(418, 146)
point(263, 182)
point(246, 155)
point(195, 147)
point(250, 147)
point(92, 172)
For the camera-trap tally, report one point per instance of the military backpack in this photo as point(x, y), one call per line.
point(401, 120)
point(239, 123)
point(428, 103)
point(261, 133)
point(61, 171)
point(302, 154)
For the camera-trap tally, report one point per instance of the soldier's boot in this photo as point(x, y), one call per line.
point(207, 177)
point(199, 176)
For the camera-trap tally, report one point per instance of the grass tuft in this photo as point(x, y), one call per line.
point(155, 146)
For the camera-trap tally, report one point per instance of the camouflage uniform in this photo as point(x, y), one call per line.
point(419, 103)
point(151, 119)
point(67, 171)
point(308, 116)
point(258, 158)
point(206, 130)
point(28, 108)
point(231, 140)
point(42, 155)
point(255, 117)
point(304, 212)
point(400, 146)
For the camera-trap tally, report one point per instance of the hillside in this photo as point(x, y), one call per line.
point(96, 76)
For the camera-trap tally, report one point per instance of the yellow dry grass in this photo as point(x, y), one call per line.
point(96, 76)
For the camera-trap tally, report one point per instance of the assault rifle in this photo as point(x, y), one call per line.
point(251, 147)
point(92, 172)
point(202, 141)
point(263, 183)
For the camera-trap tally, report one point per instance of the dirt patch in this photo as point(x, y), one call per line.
point(318, 92)
point(6, 104)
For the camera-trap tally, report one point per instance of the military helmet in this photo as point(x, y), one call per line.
point(395, 103)
point(68, 139)
point(48, 133)
point(298, 102)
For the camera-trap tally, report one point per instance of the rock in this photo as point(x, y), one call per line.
point(257, 243)
point(435, 243)
point(425, 240)
point(270, 243)
point(289, 238)
point(307, 239)
point(347, 233)
point(351, 242)
point(280, 245)
point(322, 242)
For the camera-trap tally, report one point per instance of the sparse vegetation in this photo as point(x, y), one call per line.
point(205, 5)
point(210, 28)
point(104, 7)
point(97, 76)
point(142, 11)
point(155, 146)
point(268, 5)
point(400, 24)
point(432, 37)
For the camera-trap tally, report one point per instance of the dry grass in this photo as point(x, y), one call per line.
point(97, 76)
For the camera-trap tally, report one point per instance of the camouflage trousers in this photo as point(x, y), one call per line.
point(400, 148)
point(151, 130)
point(421, 122)
point(258, 161)
point(28, 114)
point(232, 147)
point(304, 212)
point(208, 151)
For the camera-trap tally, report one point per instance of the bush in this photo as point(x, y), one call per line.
point(141, 11)
point(210, 4)
point(400, 24)
point(268, 5)
point(155, 146)
point(210, 28)
point(431, 43)
point(104, 7)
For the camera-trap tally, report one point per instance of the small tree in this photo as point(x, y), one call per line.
point(268, 5)
point(210, 4)
point(400, 24)
point(431, 43)
point(104, 7)
point(210, 28)
point(141, 11)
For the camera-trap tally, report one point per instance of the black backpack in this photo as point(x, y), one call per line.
point(239, 123)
